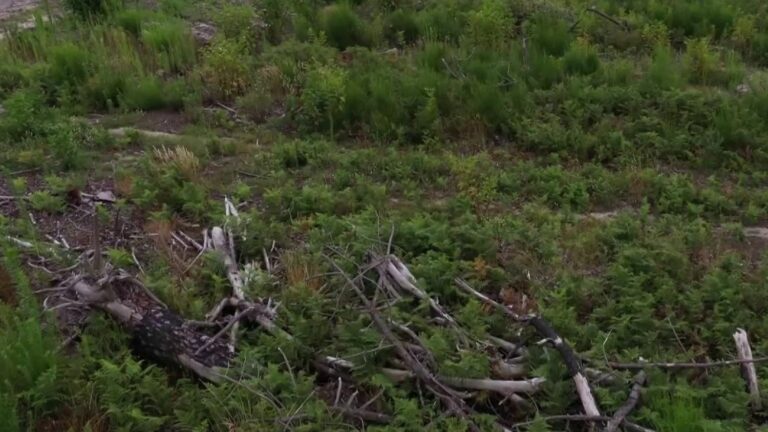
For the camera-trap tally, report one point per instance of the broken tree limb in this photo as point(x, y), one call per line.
point(395, 276)
point(160, 334)
point(630, 426)
point(503, 387)
point(575, 370)
point(673, 365)
point(629, 405)
point(748, 371)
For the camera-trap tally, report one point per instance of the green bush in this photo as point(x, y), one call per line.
point(24, 117)
point(11, 78)
point(401, 28)
point(132, 20)
point(238, 22)
point(292, 154)
point(664, 71)
point(69, 64)
point(581, 59)
point(342, 27)
point(144, 94)
point(226, 69)
point(701, 63)
point(88, 9)
point(489, 27)
point(171, 44)
point(551, 35)
point(322, 98)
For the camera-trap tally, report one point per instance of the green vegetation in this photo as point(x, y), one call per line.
point(483, 139)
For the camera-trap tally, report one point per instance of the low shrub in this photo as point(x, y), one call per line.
point(581, 59)
point(489, 27)
point(238, 22)
point(342, 27)
point(171, 44)
point(226, 69)
point(89, 9)
point(401, 28)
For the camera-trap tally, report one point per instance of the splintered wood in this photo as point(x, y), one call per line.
point(748, 368)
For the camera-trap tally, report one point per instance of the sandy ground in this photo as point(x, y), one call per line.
point(8, 8)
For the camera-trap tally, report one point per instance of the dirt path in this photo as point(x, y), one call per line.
point(9, 8)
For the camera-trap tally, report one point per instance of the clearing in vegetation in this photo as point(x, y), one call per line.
point(383, 215)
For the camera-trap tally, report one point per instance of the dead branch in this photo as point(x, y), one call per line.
point(630, 426)
point(748, 369)
point(623, 25)
point(503, 387)
point(361, 414)
point(454, 404)
point(545, 330)
point(159, 333)
point(629, 405)
point(670, 365)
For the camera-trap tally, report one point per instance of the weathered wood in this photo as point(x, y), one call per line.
point(159, 334)
point(629, 405)
point(748, 371)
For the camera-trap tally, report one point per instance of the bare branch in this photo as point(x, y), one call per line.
point(629, 405)
point(671, 365)
point(630, 426)
point(545, 330)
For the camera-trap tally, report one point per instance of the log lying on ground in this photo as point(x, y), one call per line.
point(158, 332)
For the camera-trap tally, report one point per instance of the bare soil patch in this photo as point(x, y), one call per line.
point(9, 8)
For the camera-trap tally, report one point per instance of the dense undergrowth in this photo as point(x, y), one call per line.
point(478, 132)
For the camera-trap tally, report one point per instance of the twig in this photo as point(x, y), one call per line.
point(136, 260)
point(629, 405)
point(266, 260)
point(373, 399)
point(226, 328)
point(191, 240)
point(22, 243)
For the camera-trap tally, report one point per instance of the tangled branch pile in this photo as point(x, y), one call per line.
point(408, 330)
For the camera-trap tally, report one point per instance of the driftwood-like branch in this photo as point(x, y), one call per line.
point(394, 274)
point(502, 387)
point(630, 426)
point(748, 369)
point(672, 365)
point(545, 330)
point(629, 405)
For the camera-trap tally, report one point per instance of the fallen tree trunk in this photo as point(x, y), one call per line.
point(159, 333)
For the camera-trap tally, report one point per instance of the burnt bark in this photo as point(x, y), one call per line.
point(159, 334)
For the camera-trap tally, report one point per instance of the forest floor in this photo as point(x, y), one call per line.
point(438, 215)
